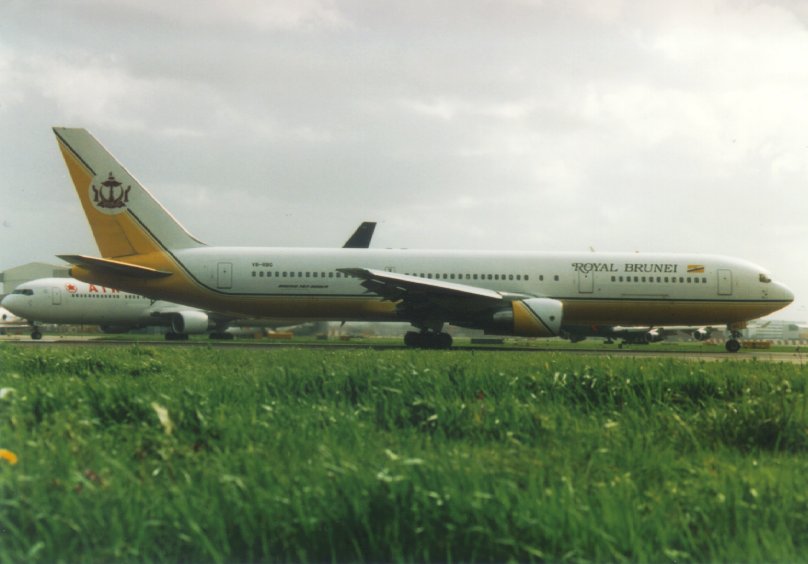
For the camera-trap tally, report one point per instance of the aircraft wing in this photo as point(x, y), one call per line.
point(393, 286)
point(430, 299)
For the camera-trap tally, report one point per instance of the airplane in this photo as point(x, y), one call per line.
point(70, 301)
point(10, 321)
point(145, 250)
point(361, 237)
point(641, 335)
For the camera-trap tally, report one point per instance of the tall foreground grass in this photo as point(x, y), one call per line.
point(221, 455)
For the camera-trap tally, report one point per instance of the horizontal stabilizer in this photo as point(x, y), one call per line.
point(115, 267)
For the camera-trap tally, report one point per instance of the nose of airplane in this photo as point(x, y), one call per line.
point(13, 303)
point(786, 292)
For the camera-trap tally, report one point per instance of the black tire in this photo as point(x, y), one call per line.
point(36, 335)
point(733, 345)
point(413, 339)
point(443, 341)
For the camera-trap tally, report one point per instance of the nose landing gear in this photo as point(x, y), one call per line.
point(733, 345)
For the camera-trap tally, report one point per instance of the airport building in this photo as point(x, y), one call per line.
point(13, 277)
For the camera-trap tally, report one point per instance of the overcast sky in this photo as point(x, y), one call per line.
point(509, 124)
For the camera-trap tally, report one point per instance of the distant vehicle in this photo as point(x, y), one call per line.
point(70, 301)
point(538, 294)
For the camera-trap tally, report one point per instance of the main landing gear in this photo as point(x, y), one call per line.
point(733, 345)
point(221, 336)
point(428, 340)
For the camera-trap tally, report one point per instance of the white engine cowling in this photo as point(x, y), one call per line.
point(701, 334)
point(654, 336)
point(533, 317)
point(189, 322)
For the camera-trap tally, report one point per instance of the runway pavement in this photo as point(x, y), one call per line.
point(797, 356)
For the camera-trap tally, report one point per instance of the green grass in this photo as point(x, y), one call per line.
point(200, 454)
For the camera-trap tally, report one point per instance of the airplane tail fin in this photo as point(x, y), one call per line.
point(124, 217)
point(361, 237)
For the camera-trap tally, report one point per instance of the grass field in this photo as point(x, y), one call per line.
point(199, 454)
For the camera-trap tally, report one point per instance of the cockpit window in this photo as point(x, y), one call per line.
point(765, 279)
point(26, 292)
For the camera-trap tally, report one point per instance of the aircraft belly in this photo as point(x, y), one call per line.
point(309, 307)
point(662, 312)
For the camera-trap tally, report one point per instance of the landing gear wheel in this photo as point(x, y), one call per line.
point(221, 335)
point(428, 340)
point(36, 335)
point(443, 341)
point(733, 345)
point(412, 339)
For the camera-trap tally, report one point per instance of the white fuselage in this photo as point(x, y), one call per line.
point(67, 300)
point(595, 288)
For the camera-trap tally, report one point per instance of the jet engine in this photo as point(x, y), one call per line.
point(189, 322)
point(701, 334)
point(654, 336)
point(533, 317)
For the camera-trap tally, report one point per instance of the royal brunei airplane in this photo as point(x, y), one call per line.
point(145, 250)
point(70, 301)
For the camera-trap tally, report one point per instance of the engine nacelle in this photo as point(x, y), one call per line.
point(533, 317)
point(189, 322)
point(654, 336)
point(701, 334)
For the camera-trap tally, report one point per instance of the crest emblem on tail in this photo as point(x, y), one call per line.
point(110, 196)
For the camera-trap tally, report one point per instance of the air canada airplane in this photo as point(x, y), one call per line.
point(145, 250)
point(70, 301)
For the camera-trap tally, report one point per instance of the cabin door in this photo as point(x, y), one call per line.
point(724, 282)
point(56, 296)
point(224, 277)
point(586, 282)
